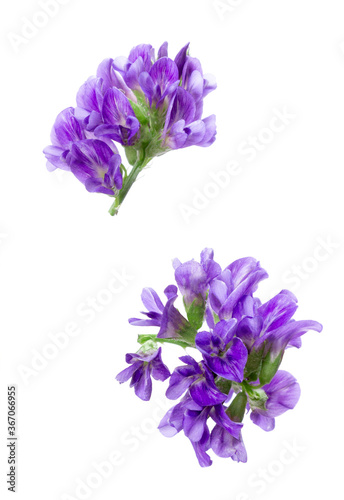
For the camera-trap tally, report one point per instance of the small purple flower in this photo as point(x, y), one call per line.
point(182, 127)
point(120, 122)
point(113, 78)
point(172, 324)
point(283, 393)
point(238, 279)
point(95, 164)
point(196, 378)
point(89, 101)
point(161, 81)
point(142, 367)
point(192, 418)
point(66, 131)
point(193, 278)
point(289, 334)
point(154, 306)
point(223, 353)
point(140, 60)
point(225, 445)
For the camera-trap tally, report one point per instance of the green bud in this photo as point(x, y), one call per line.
point(257, 399)
point(148, 346)
point(256, 396)
point(236, 409)
point(131, 154)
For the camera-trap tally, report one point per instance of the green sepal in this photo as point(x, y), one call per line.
point(195, 312)
point(257, 400)
point(148, 346)
point(188, 333)
point(223, 384)
point(131, 154)
point(142, 338)
point(140, 113)
point(254, 364)
point(216, 318)
point(269, 368)
point(237, 408)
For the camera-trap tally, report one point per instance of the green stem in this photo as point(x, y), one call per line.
point(142, 338)
point(127, 183)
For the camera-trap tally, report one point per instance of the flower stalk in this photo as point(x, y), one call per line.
point(128, 181)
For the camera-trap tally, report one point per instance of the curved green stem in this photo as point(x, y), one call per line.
point(127, 183)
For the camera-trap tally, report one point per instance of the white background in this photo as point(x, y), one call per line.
point(59, 246)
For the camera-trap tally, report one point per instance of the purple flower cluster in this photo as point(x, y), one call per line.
point(238, 347)
point(147, 104)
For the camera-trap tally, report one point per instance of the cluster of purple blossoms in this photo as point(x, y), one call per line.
point(238, 344)
point(147, 104)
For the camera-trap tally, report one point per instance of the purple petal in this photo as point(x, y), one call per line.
point(163, 51)
point(142, 383)
point(201, 448)
point(195, 85)
point(283, 393)
point(151, 300)
point(248, 285)
point(178, 385)
point(209, 84)
point(166, 428)
point(195, 423)
point(128, 372)
point(205, 393)
point(164, 73)
point(116, 108)
point(217, 295)
point(159, 369)
point(278, 339)
point(195, 133)
point(263, 421)
point(278, 310)
point(145, 52)
point(231, 365)
point(66, 129)
point(183, 107)
point(226, 330)
point(203, 342)
point(90, 96)
point(249, 329)
point(210, 130)
point(147, 85)
point(221, 418)
point(180, 58)
point(172, 322)
point(225, 445)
